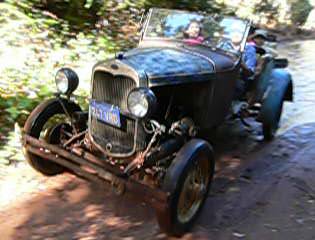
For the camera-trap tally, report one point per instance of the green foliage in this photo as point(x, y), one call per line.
point(267, 9)
point(17, 99)
point(122, 16)
point(300, 9)
point(197, 5)
point(39, 46)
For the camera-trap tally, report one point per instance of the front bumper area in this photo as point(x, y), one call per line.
point(86, 165)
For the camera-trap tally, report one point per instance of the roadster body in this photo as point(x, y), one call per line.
point(149, 110)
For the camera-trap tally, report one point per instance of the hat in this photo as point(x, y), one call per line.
point(260, 33)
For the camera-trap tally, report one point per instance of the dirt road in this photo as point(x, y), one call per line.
point(261, 191)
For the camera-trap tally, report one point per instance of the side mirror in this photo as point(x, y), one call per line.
point(281, 62)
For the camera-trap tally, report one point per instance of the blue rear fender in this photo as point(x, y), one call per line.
point(280, 88)
point(281, 85)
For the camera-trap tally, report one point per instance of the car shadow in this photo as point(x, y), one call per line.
point(81, 210)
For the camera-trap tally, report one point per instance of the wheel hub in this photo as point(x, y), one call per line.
point(193, 191)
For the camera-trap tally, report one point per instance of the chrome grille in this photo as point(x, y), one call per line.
point(115, 90)
point(112, 90)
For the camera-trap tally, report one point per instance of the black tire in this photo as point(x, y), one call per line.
point(34, 127)
point(271, 125)
point(270, 114)
point(196, 154)
point(279, 88)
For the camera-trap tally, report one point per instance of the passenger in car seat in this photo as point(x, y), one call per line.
point(193, 33)
point(249, 64)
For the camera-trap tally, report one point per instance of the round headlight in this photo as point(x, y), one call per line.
point(141, 102)
point(67, 81)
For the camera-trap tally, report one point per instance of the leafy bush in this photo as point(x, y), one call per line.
point(121, 16)
point(42, 50)
point(267, 9)
point(299, 11)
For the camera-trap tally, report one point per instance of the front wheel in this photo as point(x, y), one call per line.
point(49, 122)
point(187, 181)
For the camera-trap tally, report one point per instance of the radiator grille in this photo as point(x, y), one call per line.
point(112, 90)
point(115, 90)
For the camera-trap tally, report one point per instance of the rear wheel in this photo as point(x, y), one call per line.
point(270, 127)
point(49, 122)
point(187, 180)
point(271, 113)
point(279, 89)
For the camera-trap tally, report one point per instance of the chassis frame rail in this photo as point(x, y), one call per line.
point(92, 171)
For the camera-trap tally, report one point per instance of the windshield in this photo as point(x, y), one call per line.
point(226, 33)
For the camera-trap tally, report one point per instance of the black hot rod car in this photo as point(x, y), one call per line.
point(149, 108)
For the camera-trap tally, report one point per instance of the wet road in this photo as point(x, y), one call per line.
point(301, 57)
point(260, 191)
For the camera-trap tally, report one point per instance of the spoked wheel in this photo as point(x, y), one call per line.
point(49, 122)
point(187, 180)
point(193, 190)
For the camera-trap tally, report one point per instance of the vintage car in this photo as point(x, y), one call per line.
point(150, 109)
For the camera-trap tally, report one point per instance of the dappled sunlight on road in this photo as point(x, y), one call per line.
point(72, 208)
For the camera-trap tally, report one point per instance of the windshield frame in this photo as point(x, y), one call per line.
point(169, 39)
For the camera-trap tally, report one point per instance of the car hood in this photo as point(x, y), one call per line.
point(168, 65)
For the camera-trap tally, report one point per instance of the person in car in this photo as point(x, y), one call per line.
point(192, 34)
point(249, 63)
